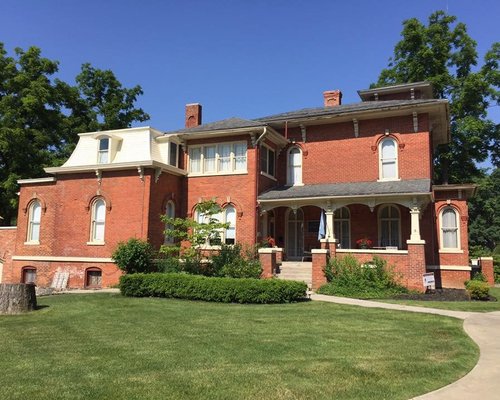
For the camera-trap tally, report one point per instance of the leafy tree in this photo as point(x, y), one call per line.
point(484, 213)
point(40, 116)
point(444, 54)
point(134, 256)
point(192, 237)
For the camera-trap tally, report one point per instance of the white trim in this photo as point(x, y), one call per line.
point(32, 243)
point(289, 173)
point(268, 149)
point(457, 223)
point(320, 251)
point(266, 250)
point(115, 167)
point(268, 176)
point(95, 243)
point(62, 259)
point(232, 159)
point(380, 160)
point(7, 228)
point(450, 251)
point(36, 180)
point(371, 251)
point(197, 174)
point(450, 267)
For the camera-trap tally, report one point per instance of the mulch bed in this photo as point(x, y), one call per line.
point(440, 295)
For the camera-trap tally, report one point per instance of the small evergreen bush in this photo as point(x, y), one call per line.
point(225, 290)
point(478, 290)
point(134, 256)
point(347, 277)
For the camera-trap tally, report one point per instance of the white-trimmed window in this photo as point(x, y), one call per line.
point(34, 219)
point(103, 152)
point(294, 167)
point(449, 229)
point(224, 158)
point(267, 160)
point(226, 216)
point(98, 221)
point(389, 226)
point(342, 227)
point(170, 213)
point(388, 159)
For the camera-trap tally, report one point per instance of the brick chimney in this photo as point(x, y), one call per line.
point(332, 98)
point(193, 115)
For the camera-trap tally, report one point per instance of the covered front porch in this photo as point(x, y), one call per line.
point(385, 223)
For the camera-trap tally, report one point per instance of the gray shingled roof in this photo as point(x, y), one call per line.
point(225, 124)
point(345, 108)
point(348, 189)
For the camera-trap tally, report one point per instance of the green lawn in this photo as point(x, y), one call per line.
point(479, 306)
point(105, 346)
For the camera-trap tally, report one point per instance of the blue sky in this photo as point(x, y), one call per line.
point(237, 58)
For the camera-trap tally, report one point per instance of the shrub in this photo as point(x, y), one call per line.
point(134, 256)
point(226, 290)
point(478, 290)
point(234, 262)
point(347, 277)
point(168, 265)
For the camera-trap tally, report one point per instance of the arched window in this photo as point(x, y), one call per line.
point(170, 213)
point(34, 218)
point(93, 277)
point(389, 226)
point(103, 152)
point(28, 275)
point(449, 229)
point(294, 174)
point(342, 227)
point(98, 221)
point(230, 218)
point(388, 154)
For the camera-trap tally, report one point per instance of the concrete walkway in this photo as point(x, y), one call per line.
point(483, 382)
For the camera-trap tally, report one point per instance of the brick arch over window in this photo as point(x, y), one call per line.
point(300, 146)
point(35, 197)
point(168, 198)
point(396, 136)
point(93, 197)
point(237, 206)
point(93, 277)
point(28, 274)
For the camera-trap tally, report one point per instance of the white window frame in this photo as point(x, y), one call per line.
point(337, 222)
point(290, 176)
point(380, 219)
point(442, 228)
point(176, 161)
point(202, 218)
point(169, 212)
point(32, 222)
point(266, 150)
point(383, 161)
point(100, 152)
point(94, 223)
point(217, 170)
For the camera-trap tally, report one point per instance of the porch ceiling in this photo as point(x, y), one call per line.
point(410, 193)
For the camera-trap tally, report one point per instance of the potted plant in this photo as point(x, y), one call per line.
point(364, 243)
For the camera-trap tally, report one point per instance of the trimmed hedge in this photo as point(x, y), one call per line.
point(224, 290)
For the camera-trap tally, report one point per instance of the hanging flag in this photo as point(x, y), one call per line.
point(322, 225)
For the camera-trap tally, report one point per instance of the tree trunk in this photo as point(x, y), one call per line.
point(16, 298)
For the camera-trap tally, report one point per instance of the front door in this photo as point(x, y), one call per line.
point(295, 234)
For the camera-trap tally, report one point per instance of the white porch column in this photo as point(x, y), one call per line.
point(415, 225)
point(330, 232)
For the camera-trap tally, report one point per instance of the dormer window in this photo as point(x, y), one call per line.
point(103, 153)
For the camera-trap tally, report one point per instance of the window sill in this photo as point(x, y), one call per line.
point(198, 174)
point(268, 176)
point(295, 184)
point(388, 179)
point(32, 243)
point(95, 243)
point(451, 251)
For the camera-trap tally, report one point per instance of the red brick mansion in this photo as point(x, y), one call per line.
point(366, 167)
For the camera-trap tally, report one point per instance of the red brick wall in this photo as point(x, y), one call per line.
point(7, 245)
point(45, 272)
point(332, 153)
point(451, 279)
point(239, 190)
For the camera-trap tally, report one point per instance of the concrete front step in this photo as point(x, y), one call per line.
point(296, 271)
